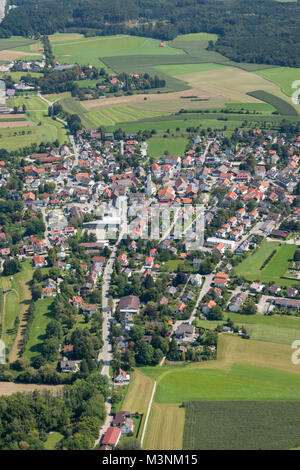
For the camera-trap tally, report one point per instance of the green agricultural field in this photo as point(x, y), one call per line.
point(108, 116)
point(174, 146)
point(42, 316)
point(46, 129)
point(283, 77)
point(181, 69)
point(283, 107)
point(182, 124)
point(163, 421)
point(275, 269)
point(241, 425)
point(259, 107)
point(15, 41)
point(281, 329)
point(91, 50)
point(197, 37)
point(241, 382)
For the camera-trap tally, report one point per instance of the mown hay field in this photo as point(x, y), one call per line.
point(139, 393)
point(165, 427)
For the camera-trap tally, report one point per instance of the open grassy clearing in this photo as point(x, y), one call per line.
point(52, 439)
point(241, 425)
point(165, 427)
point(275, 269)
point(283, 77)
point(41, 319)
point(197, 37)
point(14, 303)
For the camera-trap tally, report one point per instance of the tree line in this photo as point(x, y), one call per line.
point(260, 31)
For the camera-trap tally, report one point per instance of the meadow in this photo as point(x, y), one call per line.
point(212, 81)
point(245, 370)
point(139, 393)
point(240, 382)
point(174, 146)
point(45, 129)
point(91, 50)
point(14, 303)
point(166, 418)
point(281, 329)
point(182, 69)
point(281, 105)
point(42, 316)
point(275, 270)
point(282, 76)
point(236, 425)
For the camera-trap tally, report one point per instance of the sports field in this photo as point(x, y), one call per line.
point(275, 270)
point(238, 425)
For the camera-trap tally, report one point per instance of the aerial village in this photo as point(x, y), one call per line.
point(162, 293)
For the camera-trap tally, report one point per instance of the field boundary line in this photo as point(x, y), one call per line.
point(148, 413)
